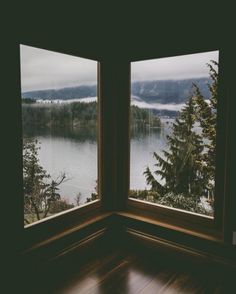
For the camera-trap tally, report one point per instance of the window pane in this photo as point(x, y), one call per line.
point(173, 131)
point(59, 118)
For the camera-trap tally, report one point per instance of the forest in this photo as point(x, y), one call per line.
point(77, 114)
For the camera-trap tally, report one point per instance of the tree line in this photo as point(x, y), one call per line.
point(76, 114)
point(141, 117)
point(59, 115)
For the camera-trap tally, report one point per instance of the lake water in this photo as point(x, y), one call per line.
point(74, 152)
point(143, 144)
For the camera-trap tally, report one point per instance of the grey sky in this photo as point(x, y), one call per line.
point(178, 67)
point(43, 69)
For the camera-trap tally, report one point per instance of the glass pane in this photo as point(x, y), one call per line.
point(173, 131)
point(59, 118)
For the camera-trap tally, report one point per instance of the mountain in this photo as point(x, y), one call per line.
point(161, 91)
point(168, 91)
point(63, 93)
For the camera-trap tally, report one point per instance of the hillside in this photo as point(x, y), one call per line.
point(63, 93)
point(162, 91)
point(168, 91)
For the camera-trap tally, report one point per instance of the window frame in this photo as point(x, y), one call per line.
point(180, 218)
point(113, 171)
point(55, 224)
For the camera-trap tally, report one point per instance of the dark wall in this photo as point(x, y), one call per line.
point(107, 34)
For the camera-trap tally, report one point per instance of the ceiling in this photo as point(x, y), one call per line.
point(116, 31)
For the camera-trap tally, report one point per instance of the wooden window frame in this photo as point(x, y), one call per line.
point(114, 163)
point(180, 218)
point(55, 224)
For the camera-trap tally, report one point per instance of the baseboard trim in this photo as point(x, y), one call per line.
point(167, 246)
point(77, 240)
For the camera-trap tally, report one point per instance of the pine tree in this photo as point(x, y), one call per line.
point(188, 169)
point(183, 168)
point(207, 117)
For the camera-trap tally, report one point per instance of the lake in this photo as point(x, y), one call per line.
point(74, 152)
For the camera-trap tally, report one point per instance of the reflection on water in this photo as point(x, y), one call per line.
point(82, 134)
point(143, 144)
point(74, 151)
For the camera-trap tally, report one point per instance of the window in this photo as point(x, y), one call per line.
point(59, 120)
point(173, 132)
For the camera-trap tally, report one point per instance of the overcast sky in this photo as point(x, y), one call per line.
point(178, 67)
point(43, 69)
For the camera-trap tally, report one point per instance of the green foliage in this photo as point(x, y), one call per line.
point(144, 118)
point(207, 117)
point(28, 101)
point(94, 196)
point(170, 199)
point(41, 196)
point(145, 195)
point(60, 205)
point(182, 168)
point(180, 201)
point(39, 189)
point(187, 169)
point(50, 115)
point(151, 180)
point(78, 114)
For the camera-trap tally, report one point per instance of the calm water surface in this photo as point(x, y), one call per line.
point(74, 152)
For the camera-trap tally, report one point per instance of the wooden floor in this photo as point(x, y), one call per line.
point(126, 272)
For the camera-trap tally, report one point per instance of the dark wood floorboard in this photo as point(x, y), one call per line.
point(129, 273)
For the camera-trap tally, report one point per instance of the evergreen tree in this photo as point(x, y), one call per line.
point(206, 114)
point(182, 169)
point(188, 169)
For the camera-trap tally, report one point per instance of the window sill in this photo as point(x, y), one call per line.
point(96, 219)
point(54, 226)
point(191, 223)
point(211, 235)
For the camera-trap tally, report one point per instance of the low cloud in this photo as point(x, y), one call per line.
point(158, 106)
